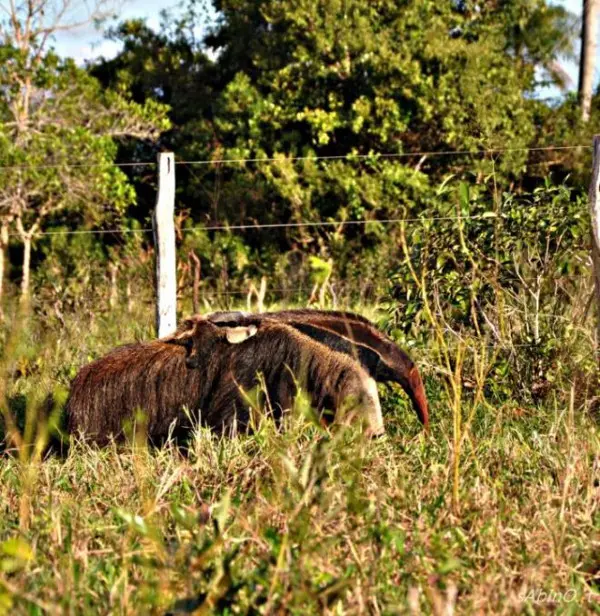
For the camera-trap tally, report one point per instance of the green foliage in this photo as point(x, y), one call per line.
point(474, 239)
point(309, 79)
point(355, 78)
point(71, 121)
point(510, 268)
point(73, 269)
point(58, 132)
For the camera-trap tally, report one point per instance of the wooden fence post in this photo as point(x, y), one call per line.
point(595, 217)
point(164, 245)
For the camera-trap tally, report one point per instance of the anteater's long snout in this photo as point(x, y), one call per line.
point(416, 392)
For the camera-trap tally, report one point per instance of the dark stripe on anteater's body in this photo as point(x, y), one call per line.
point(285, 358)
point(353, 335)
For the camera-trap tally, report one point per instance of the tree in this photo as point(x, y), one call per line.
point(59, 128)
point(346, 77)
point(342, 77)
point(588, 56)
point(170, 67)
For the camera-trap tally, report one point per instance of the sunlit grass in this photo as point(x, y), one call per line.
point(300, 520)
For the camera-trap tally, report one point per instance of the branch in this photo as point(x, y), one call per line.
point(45, 18)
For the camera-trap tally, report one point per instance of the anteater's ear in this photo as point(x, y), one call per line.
point(181, 338)
point(190, 323)
point(235, 335)
point(184, 333)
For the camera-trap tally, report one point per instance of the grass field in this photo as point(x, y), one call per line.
point(496, 510)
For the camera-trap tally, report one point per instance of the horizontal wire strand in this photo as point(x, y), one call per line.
point(349, 157)
point(76, 166)
point(282, 291)
point(275, 225)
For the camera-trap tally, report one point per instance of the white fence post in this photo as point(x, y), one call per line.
point(595, 216)
point(164, 245)
point(588, 56)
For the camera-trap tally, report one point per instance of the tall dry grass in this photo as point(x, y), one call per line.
point(495, 511)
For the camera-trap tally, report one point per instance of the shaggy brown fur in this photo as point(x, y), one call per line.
point(354, 335)
point(200, 370)
point(150, 377)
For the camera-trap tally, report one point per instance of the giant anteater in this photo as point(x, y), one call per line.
point(206, 369)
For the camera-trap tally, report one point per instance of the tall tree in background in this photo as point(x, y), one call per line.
point(343, 76)
point(168, 66)
point(337, 77)
point(58, 126)
point(588, 56)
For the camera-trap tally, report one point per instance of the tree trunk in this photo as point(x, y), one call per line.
point(588, 56)
point(26, 267)
point(3, 246)
point(196, 284)
point(260, 296)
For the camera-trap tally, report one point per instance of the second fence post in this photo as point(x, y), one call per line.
point(163, 225)
point(595, 217)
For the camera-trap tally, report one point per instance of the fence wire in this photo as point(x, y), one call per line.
point(276, 225)
point(284, 158)
point(350, 157)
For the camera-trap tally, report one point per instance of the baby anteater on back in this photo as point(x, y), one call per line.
point(151, 377)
